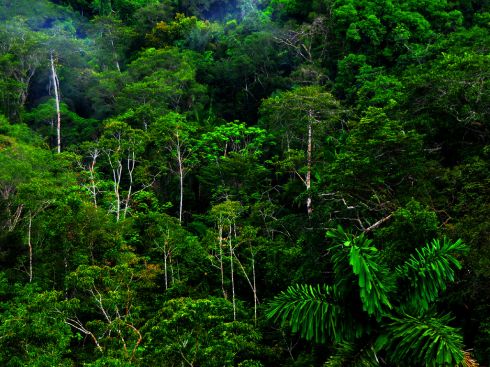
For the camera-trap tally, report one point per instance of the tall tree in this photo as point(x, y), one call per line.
point(174, 135)
point(301, 118)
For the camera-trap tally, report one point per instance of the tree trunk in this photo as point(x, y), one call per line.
point(254, 286)
point(308, 172)
point(117, 168)
point(29, 243)
point(114, 53)
point(56, 85)
point(91, 169)
point(232, 274)
point(220, 234)
point(181, 178)
point(165, 256)
point(131, 165)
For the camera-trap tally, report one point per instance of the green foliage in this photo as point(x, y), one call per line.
point(75, 129)
point(426, 340)
point(315, 313)
point(374, 284)
point(163, 80)
point(288, 114)
point(199, 332)
point(194, 133)
point(309, 310)
point(349, 354)
point(430, 269)
point(409, 226)
point(233, 138)
point(33, 331)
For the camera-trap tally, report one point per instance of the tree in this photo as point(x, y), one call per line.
point(76, 129)
point(198, 332)
point(33, 331)
point(28, 187)
point(113, 39)
point(225, 215)
point(381, 311)
point(232, 153)
point(114, 329)
point(174, 134)
point(122, 147)
point(163, 79)
point(377, 160)
point(301, 118)
point(21, 55)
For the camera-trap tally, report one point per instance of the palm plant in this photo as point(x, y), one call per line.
point(374, 315)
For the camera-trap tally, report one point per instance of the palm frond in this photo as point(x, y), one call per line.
point(309, 310)
point(430, 269)
point(422, 341)
point(353, 355)
point(373, 280)
point(372, 276)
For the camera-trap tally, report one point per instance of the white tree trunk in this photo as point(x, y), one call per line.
point(116, 178)
point(131, 165)
point(232, 273)
point(220, 243)
point(29, 243)
point(56, 85)
point(181, 176)
point(91, 169)
point(114, 53)
point(165, 256)
point(308, 162)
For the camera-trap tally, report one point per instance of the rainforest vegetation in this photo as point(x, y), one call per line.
point(248, 183)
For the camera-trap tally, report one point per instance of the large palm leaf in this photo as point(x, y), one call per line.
point(358, 253)
point(425, 340)
point(353, 355)
point(430, 269)
point(310, 310)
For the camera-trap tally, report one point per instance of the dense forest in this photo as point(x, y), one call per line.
point(245, 183)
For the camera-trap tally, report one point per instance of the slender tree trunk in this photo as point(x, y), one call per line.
point(93, 188)
point(29, 243)
point(232, 273)
point(181, 177)
point(116, 167)
point(172, 275)
point(254, 286)
point(221, 266)
point(114, 53)
point(117, 181)
point(131, 164)
point(56, 85)
point(308, 172)
point(165, 256)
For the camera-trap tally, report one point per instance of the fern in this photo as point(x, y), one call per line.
point(429, 271)
point(309, 310)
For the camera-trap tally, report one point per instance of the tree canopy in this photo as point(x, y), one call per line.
point(244, 183)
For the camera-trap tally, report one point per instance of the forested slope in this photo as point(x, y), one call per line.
point(244, 183)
